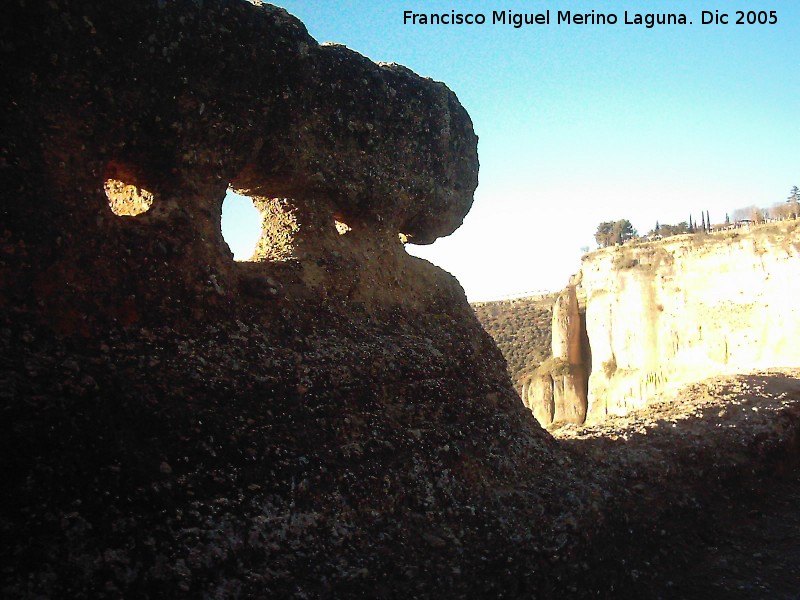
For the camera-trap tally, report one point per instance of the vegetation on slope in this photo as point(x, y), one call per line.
point(521, 328)
point(615, 233)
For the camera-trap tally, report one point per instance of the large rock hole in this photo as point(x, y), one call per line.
point(241, 225)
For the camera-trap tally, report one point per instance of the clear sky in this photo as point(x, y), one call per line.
point(580, 124)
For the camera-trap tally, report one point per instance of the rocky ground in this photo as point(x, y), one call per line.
point(753, 551)
point(745, 543)
point(151, 462)
point(209, 460)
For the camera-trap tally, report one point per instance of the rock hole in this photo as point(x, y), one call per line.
point(241, 225)
point(342, 228)
point(258, 228)
point(126, 198)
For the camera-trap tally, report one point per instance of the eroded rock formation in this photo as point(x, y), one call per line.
point(158, 110)
point(557, 391)
point(326, 421)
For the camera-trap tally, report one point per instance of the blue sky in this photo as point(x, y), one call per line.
point(583, 124)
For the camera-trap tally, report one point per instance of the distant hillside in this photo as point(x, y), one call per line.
point(521, 329)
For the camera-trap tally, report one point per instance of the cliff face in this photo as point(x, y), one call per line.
point(662, 314)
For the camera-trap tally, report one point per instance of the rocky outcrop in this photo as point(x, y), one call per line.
point(156, 114)
point(328, 420)
point(556, 392)
point(663, 314)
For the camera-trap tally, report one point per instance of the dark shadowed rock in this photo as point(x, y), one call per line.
point(326, 421)
point(142, 102)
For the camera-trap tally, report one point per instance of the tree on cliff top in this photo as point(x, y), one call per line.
point(794, 201)
point(610, 233)
point(667, 230)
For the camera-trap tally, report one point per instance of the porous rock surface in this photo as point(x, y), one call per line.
point(328, 421)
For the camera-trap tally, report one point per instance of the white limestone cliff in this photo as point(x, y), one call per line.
point(666, 313)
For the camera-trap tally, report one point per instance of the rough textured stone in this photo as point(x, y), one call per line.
point(328, 421)
point(142, 96)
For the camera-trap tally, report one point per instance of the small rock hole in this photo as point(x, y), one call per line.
point(126, 197)
point(342, 228)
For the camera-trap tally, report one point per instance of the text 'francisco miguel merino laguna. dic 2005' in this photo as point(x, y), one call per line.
point(568, 17)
